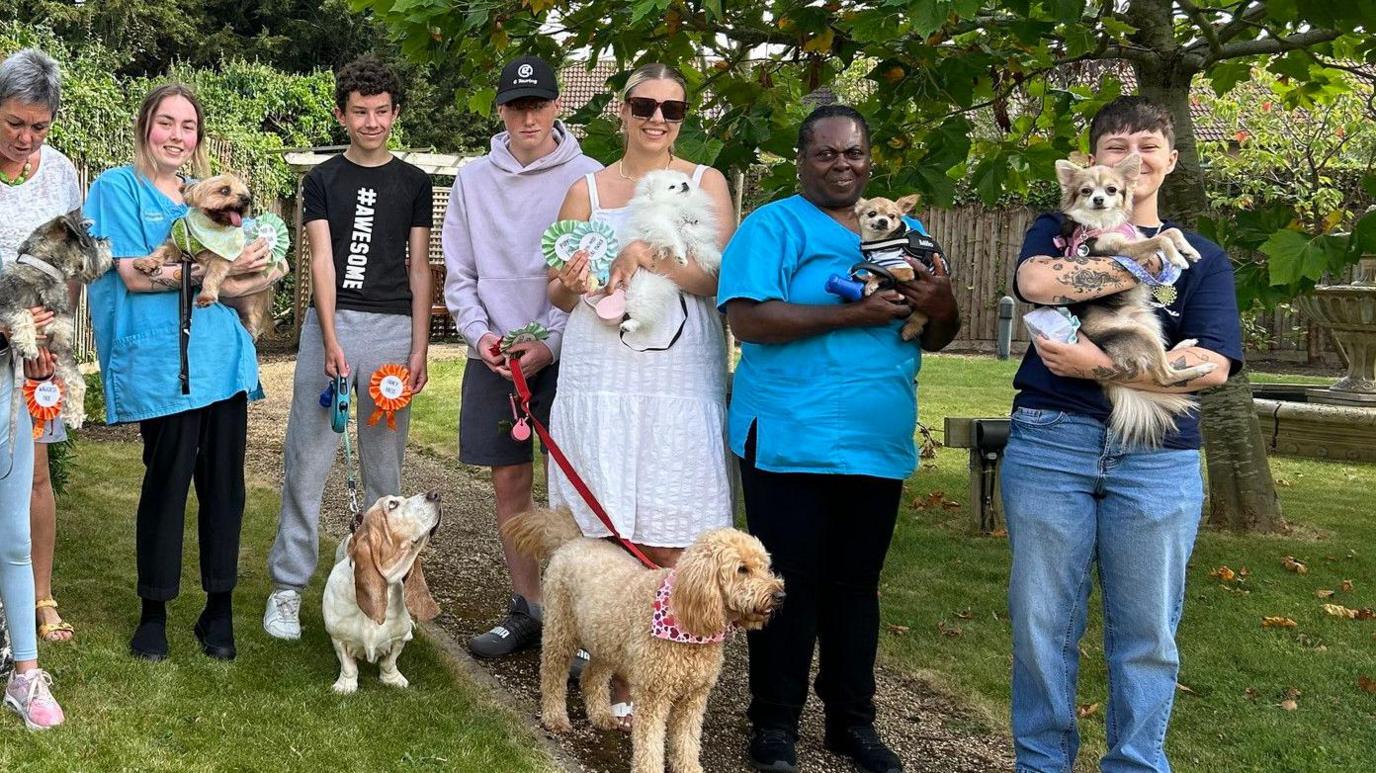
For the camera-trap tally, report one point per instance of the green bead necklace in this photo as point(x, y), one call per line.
point(20, 178)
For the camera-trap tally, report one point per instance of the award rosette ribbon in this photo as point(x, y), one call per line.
point(271, 229)
point(532, 332)
point(566, 238)
point(390, 389)
point(44, 399)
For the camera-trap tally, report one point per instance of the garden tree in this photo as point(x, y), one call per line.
point(150, 37)
point(941, 70)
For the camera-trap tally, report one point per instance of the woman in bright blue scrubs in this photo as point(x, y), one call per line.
point(822, 416)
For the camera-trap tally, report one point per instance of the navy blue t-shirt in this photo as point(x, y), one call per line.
point(1206, 304)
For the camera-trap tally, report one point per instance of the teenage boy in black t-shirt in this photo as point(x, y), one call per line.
point(364, 211)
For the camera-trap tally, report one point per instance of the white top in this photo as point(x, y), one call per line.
point(646, 430)
point(53, 190)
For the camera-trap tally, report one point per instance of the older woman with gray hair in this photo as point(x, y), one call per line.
point(37, 183)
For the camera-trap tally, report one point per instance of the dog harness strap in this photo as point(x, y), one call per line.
point(45, 267)
point(523, 391)
point(683, 304)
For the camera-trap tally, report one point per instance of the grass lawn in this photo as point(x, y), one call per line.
point(948, 586)
point(271, 709)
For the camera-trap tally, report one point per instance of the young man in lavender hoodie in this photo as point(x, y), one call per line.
point(500, 207)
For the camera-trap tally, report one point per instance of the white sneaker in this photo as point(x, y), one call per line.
point(282, 618)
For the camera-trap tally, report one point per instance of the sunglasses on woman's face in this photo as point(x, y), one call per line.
point(644, 108)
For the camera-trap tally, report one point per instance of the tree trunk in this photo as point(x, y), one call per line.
point(1242, 495)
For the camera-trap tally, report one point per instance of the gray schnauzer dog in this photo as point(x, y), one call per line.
point(57, 252)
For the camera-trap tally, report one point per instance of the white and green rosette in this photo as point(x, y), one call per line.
point(566, 237)
point(271, 229)
point(532, 332)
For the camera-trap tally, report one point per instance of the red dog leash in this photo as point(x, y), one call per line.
point(523, 391)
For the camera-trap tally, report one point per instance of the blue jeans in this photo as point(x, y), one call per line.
point(16, 482)
point(1073, 496)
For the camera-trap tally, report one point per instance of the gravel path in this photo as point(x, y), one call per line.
point(468, 578)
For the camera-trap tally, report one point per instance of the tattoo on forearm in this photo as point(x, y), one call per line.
point(1087, 280)
point(1180, 363)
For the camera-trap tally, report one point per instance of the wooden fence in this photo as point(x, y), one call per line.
point(983, 246)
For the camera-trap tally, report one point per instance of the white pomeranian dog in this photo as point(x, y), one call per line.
point(676, 218)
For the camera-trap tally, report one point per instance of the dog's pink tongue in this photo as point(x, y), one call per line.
point(236, 219)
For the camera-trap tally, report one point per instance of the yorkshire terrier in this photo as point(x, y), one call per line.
point(212, 233)
point(1097, 202)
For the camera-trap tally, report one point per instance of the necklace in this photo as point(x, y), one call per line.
point(20, 178)
point(621, 168)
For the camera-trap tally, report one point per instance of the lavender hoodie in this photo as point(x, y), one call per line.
point(498, 211)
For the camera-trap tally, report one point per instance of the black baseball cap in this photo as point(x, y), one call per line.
point(529, 76)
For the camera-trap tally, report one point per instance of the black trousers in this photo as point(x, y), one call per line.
point(205, 445)
point(828, 535)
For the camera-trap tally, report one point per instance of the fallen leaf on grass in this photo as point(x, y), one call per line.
point(1283, 482)
point(1289, 704)
point(1278, 622)
point(949, 630)
point(965, 614)
point(934, 499)
point(1250, 693)
point(1224, 574)
point(897, 630)
point(1291, 564)
point(1324, 593)
point(1338, 610)
point(1087, 710)
point(1244, 573)
point(1366, 684)
point(1345, 586)
point(1184, 689)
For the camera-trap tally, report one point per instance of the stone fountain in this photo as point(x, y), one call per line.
point(1337, 422)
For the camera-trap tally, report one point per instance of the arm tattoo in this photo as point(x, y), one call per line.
point(1087, 280)
point(1180, 363)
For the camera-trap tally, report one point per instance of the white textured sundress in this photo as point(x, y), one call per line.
point(646, 430)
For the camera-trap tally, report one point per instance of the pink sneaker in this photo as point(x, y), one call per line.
point(30, 697)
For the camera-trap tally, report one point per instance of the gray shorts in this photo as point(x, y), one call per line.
point(485, 415)
point(55, 432)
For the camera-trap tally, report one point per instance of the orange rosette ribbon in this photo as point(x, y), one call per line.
point(44, 399)
point(390, 389)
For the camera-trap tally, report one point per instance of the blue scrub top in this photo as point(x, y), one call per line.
point(136, 333)
point(844, 402)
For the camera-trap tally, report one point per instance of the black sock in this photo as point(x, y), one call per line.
point(153, 612)
point(150, 638)
point(217, 605)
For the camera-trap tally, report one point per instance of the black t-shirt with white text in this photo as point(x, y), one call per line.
point(371, 211)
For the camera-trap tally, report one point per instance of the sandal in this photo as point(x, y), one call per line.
point(624, 713)
point(46, 630)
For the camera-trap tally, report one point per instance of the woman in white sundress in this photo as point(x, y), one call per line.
point(643, 419)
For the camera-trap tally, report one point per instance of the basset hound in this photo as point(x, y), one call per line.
point(377, 585)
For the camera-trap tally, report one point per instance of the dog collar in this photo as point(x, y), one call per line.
point(663, 625)
point(1078, 243)
point(43, 266)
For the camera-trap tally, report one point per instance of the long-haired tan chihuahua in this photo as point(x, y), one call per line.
point(1097, 202)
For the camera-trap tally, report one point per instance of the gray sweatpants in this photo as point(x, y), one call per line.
point(369, 341)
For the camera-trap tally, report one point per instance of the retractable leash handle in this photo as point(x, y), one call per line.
point(339, 418)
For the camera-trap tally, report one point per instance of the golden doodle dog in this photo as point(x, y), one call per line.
point(661, 630)
point(377, 585)
point(212, 232)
